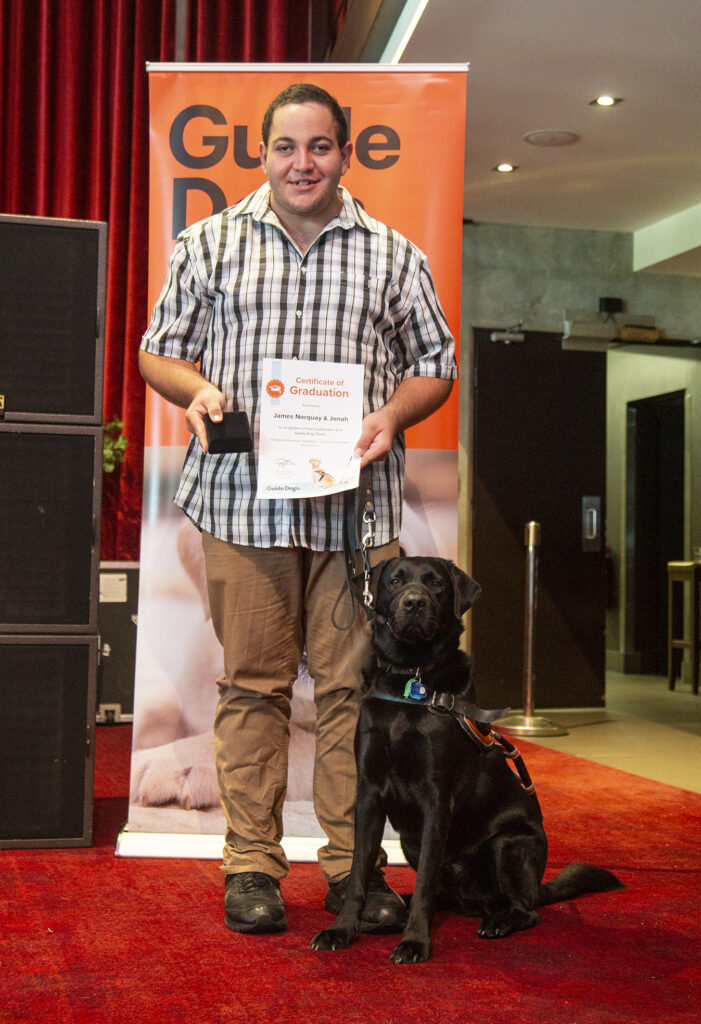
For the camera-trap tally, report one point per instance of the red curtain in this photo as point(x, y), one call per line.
point(74, 143)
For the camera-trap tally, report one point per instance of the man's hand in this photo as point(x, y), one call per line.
point(375, 441)
point(181, 383)
point(209, 401)
point(414, 400)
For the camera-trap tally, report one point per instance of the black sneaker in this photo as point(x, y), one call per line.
point(253, 903)
point(384, 910)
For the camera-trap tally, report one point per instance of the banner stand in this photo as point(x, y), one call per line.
point(203, 847)
point(204, 133)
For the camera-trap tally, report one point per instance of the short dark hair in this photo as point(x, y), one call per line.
point(304, 92)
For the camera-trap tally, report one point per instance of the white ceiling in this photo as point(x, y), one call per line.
point(536, 64)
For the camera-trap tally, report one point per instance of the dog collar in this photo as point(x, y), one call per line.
point(416, 693)
point(415, 689)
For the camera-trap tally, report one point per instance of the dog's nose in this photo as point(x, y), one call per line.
point(413, 601)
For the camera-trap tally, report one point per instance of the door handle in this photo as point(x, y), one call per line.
point(591, 523)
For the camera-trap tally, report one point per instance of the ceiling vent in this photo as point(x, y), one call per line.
point(550, 137)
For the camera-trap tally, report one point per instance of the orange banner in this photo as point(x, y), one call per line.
point(408, 133)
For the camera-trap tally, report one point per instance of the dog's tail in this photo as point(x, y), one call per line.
point(575, 880)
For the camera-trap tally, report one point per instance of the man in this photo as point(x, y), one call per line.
point(295, 270)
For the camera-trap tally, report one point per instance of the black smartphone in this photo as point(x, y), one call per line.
point(231, 434)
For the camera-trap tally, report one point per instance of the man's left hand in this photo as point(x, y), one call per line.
point(414, 400)
point(375, 441)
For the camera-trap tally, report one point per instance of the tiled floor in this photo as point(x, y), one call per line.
point(646, 729)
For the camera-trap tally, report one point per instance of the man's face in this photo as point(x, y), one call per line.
point(303, 162)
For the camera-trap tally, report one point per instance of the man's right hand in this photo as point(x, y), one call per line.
point(209, 400)
point(181, 383)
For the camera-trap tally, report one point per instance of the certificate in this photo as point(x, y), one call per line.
point(311, 419)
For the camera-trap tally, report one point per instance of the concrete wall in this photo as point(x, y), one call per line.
point(513, 274)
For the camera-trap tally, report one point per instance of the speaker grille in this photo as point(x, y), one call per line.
point(46, 690)
point(50, 303)
point(47, 498)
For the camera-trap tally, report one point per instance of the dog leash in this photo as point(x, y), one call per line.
point(363, 522)
point(358, 533)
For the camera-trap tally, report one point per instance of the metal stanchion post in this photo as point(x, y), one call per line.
point(529, 724)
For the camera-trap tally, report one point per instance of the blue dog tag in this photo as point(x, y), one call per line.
point(415, 689)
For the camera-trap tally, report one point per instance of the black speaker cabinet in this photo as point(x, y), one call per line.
point(52, 314)
point(50, 486)
point(47, 733)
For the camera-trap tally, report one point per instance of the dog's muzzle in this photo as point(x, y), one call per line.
point(414, 615)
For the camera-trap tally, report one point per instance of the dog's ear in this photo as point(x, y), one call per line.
point(465, 590)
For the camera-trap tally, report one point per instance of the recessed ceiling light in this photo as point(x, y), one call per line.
point(606, 101)
point(505, 168)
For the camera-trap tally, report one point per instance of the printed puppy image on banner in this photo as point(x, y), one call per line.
point(407, 126)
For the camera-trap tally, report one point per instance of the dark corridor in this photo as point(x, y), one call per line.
point(654, 520)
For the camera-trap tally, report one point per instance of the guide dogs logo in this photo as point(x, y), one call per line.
point(275, 388)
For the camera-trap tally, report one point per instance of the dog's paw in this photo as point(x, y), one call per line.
point(181, 773)
point(411, 951)
point(332, 938)
point(491, 929)
point(507, 924)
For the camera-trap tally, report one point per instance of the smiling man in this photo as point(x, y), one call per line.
point(296, 270)
point(304, 159)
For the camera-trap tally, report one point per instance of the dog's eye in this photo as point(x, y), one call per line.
point(395, 581)
point(437, 585)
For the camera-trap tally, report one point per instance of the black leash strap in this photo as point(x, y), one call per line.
point(358, 532)
point(513, 754)
point(447, 703)
point(444, 704)
point(359, 529)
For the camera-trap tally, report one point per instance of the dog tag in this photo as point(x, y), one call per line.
point(415, 689)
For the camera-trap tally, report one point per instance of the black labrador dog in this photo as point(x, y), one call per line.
point(469, 825)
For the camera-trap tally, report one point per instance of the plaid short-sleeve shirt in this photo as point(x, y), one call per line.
point(239, 290)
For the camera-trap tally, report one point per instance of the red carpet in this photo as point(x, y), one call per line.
point(88, 938)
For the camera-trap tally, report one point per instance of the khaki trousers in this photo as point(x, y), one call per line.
point(268, 606)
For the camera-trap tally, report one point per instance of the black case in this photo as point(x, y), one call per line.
point(232, 434)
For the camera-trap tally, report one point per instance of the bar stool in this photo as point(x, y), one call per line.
point(683, 572)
